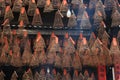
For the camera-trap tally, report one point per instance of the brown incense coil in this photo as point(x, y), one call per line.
point(81, 77)
point(58, 21)
point(49, 76)
point(96, 45)
point(20, 30)
point(58, 60)
point(2, 75)
point(97, 18)
point(118, 38)
point(80, 11)
point(39, 43)
point(100, 7)
point(41, 3)
point(68, 44)
point(64, 7)
point(89, 78)
point(76, 75)
point(75, 3)
point(42, 74)
point(67, 60)
point(26, 2)
point(85, 23)
point(8, 13)
point(79, 42)
point(54, 74)
point(92, 39)
point(108, 58)
point(30, 74)
point(31, 8)
point(114, 48)
point(24, 40)
point(37, 76)
point(72, 22)
point(115, 19)
point(48, 6)
point(16, 47)
point(2, 8)
point(8, 2)
point(17, 6)
point(54, 45)
point(76, 64)
point(9, 56)
point(92, 76)
point(59, 77)
point(25, 76)
point(114, 51)
point(101, 30)
point(37, 20)
point(3, 58)
point(109, 4)
point(51, 57)
point(105, 39)
point(96, 51)
point(16, 60)
point(92, 4)
point(6, 28)
point(87, 59)
point(95, 60)
point(56, 3)
point(102, 59)
point(66, 77)
point(23, 16)
point(6, 46)
point(83, 47)
point(27, 54)
point(115, 6)
point(34, 60)
point(14, 76)
point(7, 33)
point(42, 58)
point(86, 75)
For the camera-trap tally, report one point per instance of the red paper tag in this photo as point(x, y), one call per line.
point(101, 72)
point(117, 71)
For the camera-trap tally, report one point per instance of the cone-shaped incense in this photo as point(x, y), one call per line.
point(85, 23)
point(31, 8)
point(58, 21)
point(17, 6)
point(23, 16)
point(37, 20)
